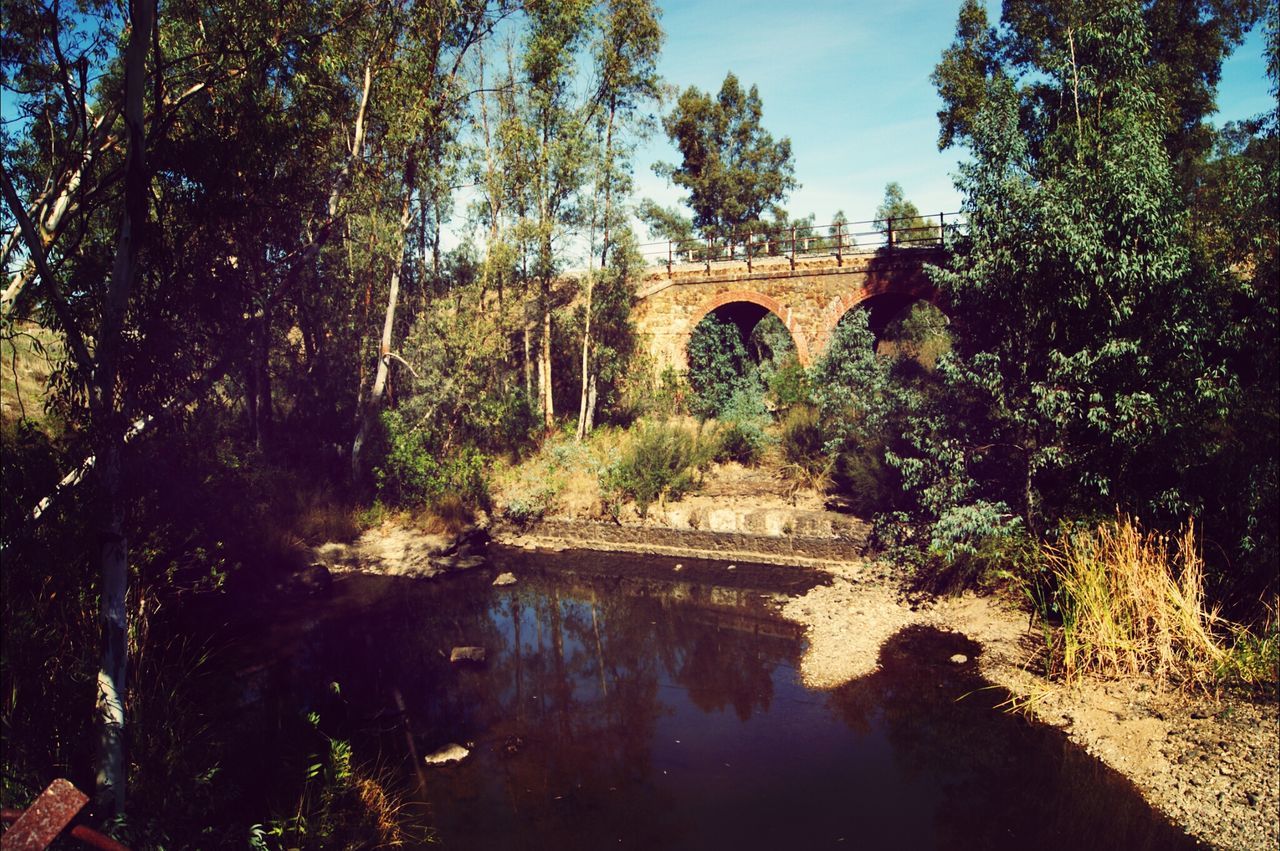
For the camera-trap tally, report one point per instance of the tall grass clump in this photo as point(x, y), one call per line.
point(742, 434)
point(1132, 603)
point(803, 441)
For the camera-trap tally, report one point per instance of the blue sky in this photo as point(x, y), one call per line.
point(848, 82)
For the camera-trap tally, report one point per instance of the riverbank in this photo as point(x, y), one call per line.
point(1210, 763)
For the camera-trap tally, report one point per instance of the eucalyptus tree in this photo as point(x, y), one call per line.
point(731, 166)
point(419, 111)
point(626, 54)
point(1083, 371)
point(119, 184)
point(1186, 42)
point(545, 150)
point(900, 219)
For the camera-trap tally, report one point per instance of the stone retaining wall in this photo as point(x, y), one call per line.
point(846, 542)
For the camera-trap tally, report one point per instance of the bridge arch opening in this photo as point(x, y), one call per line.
point(747, 311)
point(904, 325)
point(739, 343)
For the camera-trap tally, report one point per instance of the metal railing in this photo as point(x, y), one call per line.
point(838, 240)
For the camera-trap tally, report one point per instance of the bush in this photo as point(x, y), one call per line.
point(412, 475)
point(742, 436)
point(718, 365)
point(507, 422)
point(789, 384)
point(869, 483)
point(659, 463)
point(804, 449)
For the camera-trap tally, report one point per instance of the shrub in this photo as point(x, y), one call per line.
point(1254, 658)
point(742, 436)
point(659, 463)
point(789, 384)
point(411, 473)
point(506, 422)
point(807, 463)
point(869, 483)
point(718, 365)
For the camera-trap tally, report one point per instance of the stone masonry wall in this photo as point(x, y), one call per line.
point(809, 299)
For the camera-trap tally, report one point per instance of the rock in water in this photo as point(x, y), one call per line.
point(449, 753)
point(505, 579)
point(959, 658)
point(467, 654)
point(311, 581)
point(457, 562)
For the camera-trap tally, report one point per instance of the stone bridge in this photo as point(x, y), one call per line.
point(809, 294)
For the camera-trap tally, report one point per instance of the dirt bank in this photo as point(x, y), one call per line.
point(1212, 764)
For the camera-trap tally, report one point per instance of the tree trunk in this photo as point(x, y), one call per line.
point(583, 427)
point(548, 403)
point(528, 356)
point(262, 362)
point(107, 435)
point(591, 403)
point(388, 322)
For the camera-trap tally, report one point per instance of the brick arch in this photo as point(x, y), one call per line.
point(772, 305)
point(840, 305)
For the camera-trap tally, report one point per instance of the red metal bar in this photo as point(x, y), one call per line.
point(47, 819)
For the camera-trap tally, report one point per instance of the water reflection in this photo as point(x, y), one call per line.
point(622, 710)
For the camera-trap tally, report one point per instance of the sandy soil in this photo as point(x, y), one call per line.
point(1212, 764)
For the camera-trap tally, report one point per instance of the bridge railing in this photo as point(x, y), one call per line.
point(838, 239)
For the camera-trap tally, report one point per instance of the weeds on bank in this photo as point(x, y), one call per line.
point(662, 461)
point(341, 804)
point(1132, 603)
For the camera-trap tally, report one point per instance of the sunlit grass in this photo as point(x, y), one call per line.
point(1133, 604)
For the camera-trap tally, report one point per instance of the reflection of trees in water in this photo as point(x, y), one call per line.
point(564, 713)
point(721, 668)
point(1005, 782)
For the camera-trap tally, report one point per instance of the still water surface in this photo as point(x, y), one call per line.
point(623, 705)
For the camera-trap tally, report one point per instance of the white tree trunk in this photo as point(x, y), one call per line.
point(107, 437)
point(388, 323)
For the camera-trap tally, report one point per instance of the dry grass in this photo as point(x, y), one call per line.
point(322, 517)
point(1132, 603)
point(449, 515)
point(28, 356)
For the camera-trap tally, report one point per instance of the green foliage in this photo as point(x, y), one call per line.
point(742, 434)
point(659, 463)
point(341, 805)
point(788, 384)
point(803, 439)
point(411, 473)
point(962, 74)
point(731, 167)
point(1252, 661)
point(908, 226)
point(719, 365)
point(1039, 42)
point(1063, 404)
